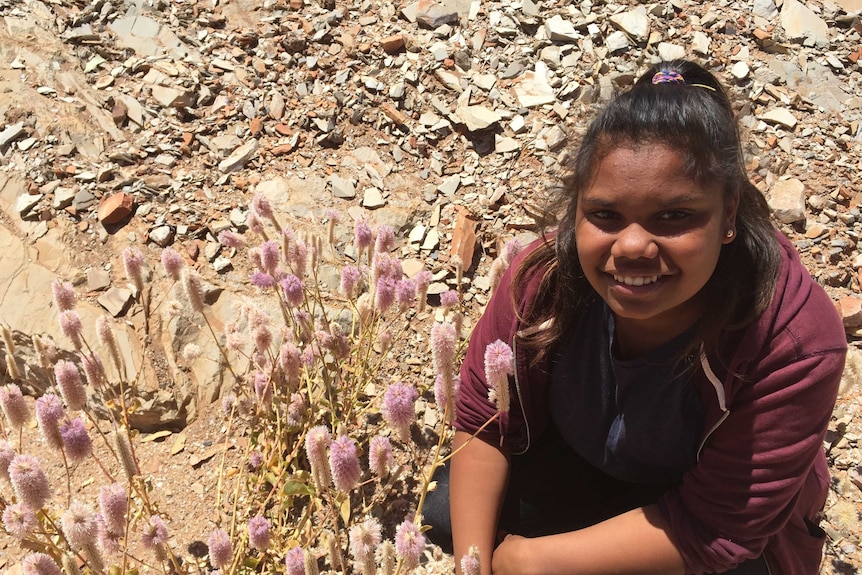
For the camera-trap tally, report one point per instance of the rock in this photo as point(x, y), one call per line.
point(668, 51)
point(634, 22)
point(532, 89)
point(781, 116)
point(787, 200)
point(850, 309)
point(11, 133)
point(464, 238)
point(765, 9)
point(115, 208)
point(740, 71)
point(433, 15)
point(275, 107)
point(700, 43)
point(477, 117)
point(372, 199)
point(171, 97)
point(83, 200)
point(617, 41)
point(342, 187)
point(98, 279)
point(162, 236)
point(63, 197)
point(801, 23)
point(392, 44)
point(239, 158)
point(449, 185)
point(559, 30)
point(27, 202)
point(115, 300)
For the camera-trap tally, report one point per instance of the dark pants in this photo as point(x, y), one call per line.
point(554, 490)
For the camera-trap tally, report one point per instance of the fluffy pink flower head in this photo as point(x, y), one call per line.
point(295, 410)
point(79, 525)
point(39, 564)
point(262, 280)
point(71, 387)
point(385, 239)
point(14, 406)
point(292, 287)
point(29, 481)
point(298, 257)
point(405, 293)
point(269, 256)
point(108, 543)
point(294, 561)
point(364, 538)
point(443, 342)
point(499, 365)
point(290, 362)
point(380, 456)
point(94, 370)
point(384, 297)
point(19, 520)
point(7, 454)
point(384, 340)
point(409, 543)
point(76, 440)
point(230, 239)
point(399, 409)
point(317, 441)
point(445, 393)
point(64, 295)
point(512, 248)
point(255, 224)
point(71, 326)
point(133, 263)
point(344, 463)
point(155, 534)
point(114, 505)
point(350, 278)
point(172, 263)
point(260, 204)
point(470, 562)
point(49, 412)
point(362, 236)
point(258, 533)
point(194, 290)
point(220, 549)
point(263, 388)
point(449, 299)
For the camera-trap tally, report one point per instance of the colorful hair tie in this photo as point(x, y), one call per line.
point(668, 77)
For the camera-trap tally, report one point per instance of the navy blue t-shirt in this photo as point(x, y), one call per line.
point(638, 420)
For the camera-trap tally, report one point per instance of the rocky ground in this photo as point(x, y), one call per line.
point(151, 123)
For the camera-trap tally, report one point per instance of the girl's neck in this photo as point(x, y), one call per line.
point(634, 338)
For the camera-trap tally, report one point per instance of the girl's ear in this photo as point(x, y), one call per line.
point(731, 203)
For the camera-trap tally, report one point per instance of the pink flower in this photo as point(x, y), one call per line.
point(269, 256)
point(220, 549)
point(29, 481)
point(385, 239)
point(231, 240)
point(94, 371)
point(399, 408)
point(114, 505)
point(108, 543)
point(409, 543)
point(155, 534)
point(344, 463)
point(49, 412)
point(262, 280)
point(362, 236)
point(39, 564)
point(499, 365)
point(7, 454)
point(380, 456)
point(449, 299)
point(292, 287)
point(470, 562)
point(364, 538)
point(294, 561)
point(350, 278)
point(385, 295)
point(19, 520)
point(69, 382)
point(80, 526)
point(295, 409)
point(70, 325)
point(317, 441)
point(194, 290)
point(384, 339)
point(405, 293)
point(255, 224)
point(298, 257)
point(64, 295)
point(290, 362)
point(262, 388)
point(172, 263)
point(258, 533)
point(443, 342)
point(512, 248)
point(133, 262)
point(260, 204)
point(14, 406)
point(76, 440)
point(445, 392)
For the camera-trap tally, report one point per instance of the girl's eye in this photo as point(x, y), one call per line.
point(674, 215)
point(602, 215)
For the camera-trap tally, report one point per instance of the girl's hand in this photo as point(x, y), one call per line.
point(511, 557)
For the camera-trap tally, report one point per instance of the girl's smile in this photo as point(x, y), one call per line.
point(648, 239)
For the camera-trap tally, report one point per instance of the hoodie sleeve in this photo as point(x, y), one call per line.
point(751, 475)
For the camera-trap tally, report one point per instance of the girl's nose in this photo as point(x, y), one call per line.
point(634, 242)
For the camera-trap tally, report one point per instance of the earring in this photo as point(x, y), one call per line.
point(730, 233)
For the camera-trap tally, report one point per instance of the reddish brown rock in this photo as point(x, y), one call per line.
point(392, 44)
point(464, 237)
point(256, 126)
point(116, 208)
point(850, 309)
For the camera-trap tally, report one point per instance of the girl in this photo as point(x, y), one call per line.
point(675, 366)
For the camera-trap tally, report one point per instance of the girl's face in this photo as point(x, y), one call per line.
point(648, 240)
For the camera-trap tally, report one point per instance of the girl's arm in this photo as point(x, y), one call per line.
point(477, 486)
point(635, 542)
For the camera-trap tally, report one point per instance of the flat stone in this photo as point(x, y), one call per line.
point(392, 44)
point(634, 22)
point(740, 70)
point(432, 15)
point(115, 208)
point(83, 200)
point(700, 43)
point(171, 97)
point(559, 30)
point(239, 158)
point(464, 237)
point(450, 185)
point(115, 300)
point(781, 116)
point(617, 41)
point(162, 236)
point(801, 23)
point(98, 279)
point(766, 9)
point(532, 89)
point(669, 51)
point(11, 133)
point(342, 187)
point(477, 117)
point(27, 202)
point(850, 309)
point(503, 144)
point(787, 200)
point(372, 199)
point(63, 197)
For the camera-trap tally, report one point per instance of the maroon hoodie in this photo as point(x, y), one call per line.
point(761, 478)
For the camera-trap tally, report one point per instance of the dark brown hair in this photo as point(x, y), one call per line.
point(696, 119)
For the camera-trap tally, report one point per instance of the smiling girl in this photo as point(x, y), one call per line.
point(675, 366)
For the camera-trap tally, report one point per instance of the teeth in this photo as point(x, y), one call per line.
point(636, 281)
